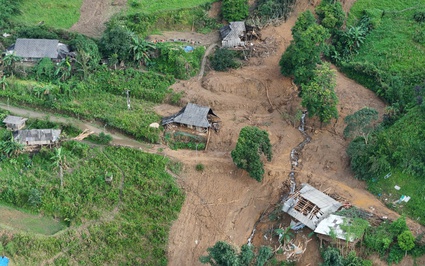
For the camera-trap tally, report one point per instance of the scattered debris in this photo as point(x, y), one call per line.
point(397, 187)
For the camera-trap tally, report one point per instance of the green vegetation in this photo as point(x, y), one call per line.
point(234, 10)
point(333, 257)
point(183, 140)
point(223, 59)
point(164, 5)
point(27, 222)
point(102, 138)
point(131, 213)
point(223, 254)
point(303, 54)
point(269, 10)
point(319, 96)
point(360, 124)
point(200, 167)
point(55, 14)
point(252, 142)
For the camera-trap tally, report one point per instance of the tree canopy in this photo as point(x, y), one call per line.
point(303, 54)
point(235, 10)
point(319, 96)
point(360, 123)
point(252, 142)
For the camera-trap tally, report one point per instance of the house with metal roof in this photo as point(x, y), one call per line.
point(36, 137)
point(310, 206)
point(192, 116)
point(35, 49)
point(232, 34)
point(14, 122)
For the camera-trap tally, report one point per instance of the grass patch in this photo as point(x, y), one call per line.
point(163, 5)
point(21, 220)
point(125, 221)
point(393, 45)
point(56, 14)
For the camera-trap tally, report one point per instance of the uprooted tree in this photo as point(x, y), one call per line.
point(252, 142)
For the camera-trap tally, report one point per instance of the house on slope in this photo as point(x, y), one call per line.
point(310, 206)
point(35, 49)
point(37, 137)
point(192, 116)
point(232, 34)
point(14, 122)
point(330, 230)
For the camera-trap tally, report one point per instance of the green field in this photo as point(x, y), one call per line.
point(163, 5)
point(21, 220)
point(393, 46)
point(56, 14)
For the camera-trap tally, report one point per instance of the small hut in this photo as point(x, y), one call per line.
point(35, 49)
point(233, 34)
point(310, 206)
point(37, 137)
point(14, 122)
point(192, 116)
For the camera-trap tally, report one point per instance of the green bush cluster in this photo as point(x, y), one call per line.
point(266, 10)
point(223, 59)
point(234, 10)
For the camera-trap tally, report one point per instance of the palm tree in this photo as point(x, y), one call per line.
point(58, 161)
point(140, 50)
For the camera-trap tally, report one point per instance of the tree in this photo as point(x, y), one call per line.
point(116, 39)
point(264, 254)
point(251, 143)
point(9, 63)
point(221, 254)
point(223, 59)
point(63, 69)
point(360, 123)
point(303, 54)
point(58, 162)
point(140, 50)
point(331, 14)
point(235, 10)
point(406, 241)
point(319, 96)
point(332, 257)
point(247, 255)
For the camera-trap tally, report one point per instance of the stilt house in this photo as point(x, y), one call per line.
point(37, 137)
point(14, 122)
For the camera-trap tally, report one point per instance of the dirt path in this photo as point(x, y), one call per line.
point(204, 60)
point(94, 13)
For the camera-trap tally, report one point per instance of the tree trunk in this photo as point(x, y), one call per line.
point(61, 175)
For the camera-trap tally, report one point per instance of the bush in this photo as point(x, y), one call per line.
point(200, 167)
point(223, 59)
point(331, 15)
point(234, 10)
point(273, 9)
point(419, 16)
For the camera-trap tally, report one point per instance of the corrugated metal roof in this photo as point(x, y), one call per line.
point(36, 48)
point(11, 119)
point(325, 204)
point(35, 135)
point(333, 222)
point(192, 115)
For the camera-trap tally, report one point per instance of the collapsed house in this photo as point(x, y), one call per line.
point(37, 137)
point(233, 34)
point(35, 49)
point(14, 122)
point(192, 116)
point(310, 206)
point(329, 229)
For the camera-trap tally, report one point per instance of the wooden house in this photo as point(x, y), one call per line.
point(37, 137)
point(14, 122)
point(232, 34)
point(192, 116)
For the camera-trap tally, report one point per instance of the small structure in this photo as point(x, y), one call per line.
point(310, 206)
point(14, 122)
point(192, 116)
point(232, 34)
point(35, 49)
point(37, 137)
point(330, 228)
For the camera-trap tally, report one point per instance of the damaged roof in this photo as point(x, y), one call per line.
point(333, 223)
point(192, 114)
point(310, 206)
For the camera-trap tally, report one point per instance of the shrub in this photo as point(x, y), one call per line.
point(419, 16)
point(223, 59)
point(331, 15)
point(200, 167)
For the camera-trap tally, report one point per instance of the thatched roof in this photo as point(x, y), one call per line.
point(37, 135)
point(310, 206)
point(36, 48)
point(192, 115)
point(15, 120)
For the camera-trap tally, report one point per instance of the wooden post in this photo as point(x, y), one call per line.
point(208, 139)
